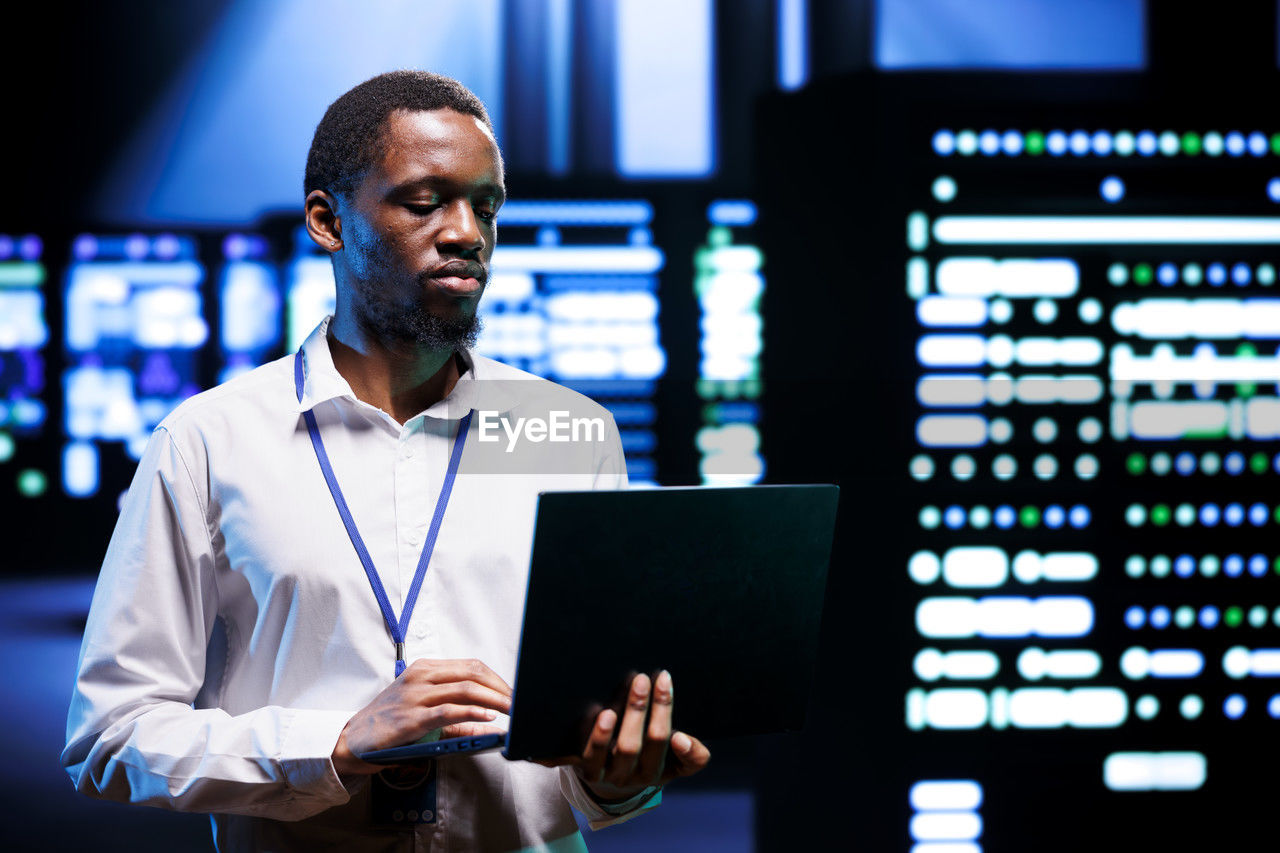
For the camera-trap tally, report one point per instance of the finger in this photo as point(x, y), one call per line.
point(440, 716)
point(593, 757)
point(471, 730)
point(461, 693)
point(626, 749)
point(658, 732)
point(442, 671)
point(690, 756)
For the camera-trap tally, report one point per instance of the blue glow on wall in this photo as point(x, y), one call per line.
point(1092, 34)
point(665, 97)
point(248, 103)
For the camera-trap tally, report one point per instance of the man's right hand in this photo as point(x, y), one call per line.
point(456, 696)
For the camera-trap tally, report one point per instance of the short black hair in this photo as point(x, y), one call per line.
point(350, 135)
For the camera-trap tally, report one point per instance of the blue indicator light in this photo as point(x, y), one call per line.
point(1233, 565)
point(1134, 617)
point(954, 517)
point(1233, 515)
point(1234, 463)
point(1241, 274)
point(1235, 143)
point(85, 247)
point(1079, 516)
point(1011, 142)
point(944, 143)
point(1167, 274)
point(641, 468)
point(1102, 143)
point(1273, 189)
point(1184, 566)
point(989, 142)
point(1258, 514)
point(1257, 144)
point(1112, 189)
point(1080, 143)
point(1160, 617)
point(1257, 565)
point(1217, 275)
point(1209, 515)
point(1056, 143)
point(1234, 706)
point(1208, 616)
point(1273, 707)
point(1185, 464)
point(726, 212)
point(1054, 516)
point(576, 213)
point(1005, 517)
point(1146, 143)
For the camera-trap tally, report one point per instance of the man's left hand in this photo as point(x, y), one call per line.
point(617, 768)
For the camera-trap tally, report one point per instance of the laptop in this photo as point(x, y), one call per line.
point(722, 587)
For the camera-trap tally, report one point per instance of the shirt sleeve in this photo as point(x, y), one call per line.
point(599, 816)
point(611, 463)
point(133, 734)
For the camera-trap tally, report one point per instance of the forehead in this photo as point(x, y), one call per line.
point(440, 143)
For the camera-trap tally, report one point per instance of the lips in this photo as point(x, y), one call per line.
point(459, 277)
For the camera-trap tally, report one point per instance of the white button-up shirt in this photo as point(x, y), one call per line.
point(233, 631)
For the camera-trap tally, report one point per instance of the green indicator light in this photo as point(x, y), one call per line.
point(1276, 514)
point(32, 483)
point(1190, 144)
point(1029, 516)
point(1233, 617)
point(1258, 463)
point(1160, 515)
point(21, 274)
point(1275, 143)
point(1205, 432)
point(1136, 463)
point(1142, 274)
point(1034, 143)
point(1275, 565)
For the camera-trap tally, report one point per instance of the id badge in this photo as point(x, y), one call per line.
point(404, 796)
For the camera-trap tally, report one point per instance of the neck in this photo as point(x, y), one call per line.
point(400, 378)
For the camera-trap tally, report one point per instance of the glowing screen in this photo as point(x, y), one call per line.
point(24, 333)
point(135, 325)
point(1095, 425)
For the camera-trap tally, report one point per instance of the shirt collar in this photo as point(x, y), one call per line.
point(322, 382)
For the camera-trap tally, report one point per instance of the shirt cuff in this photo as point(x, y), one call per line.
point(307, 756)
point(599, 815)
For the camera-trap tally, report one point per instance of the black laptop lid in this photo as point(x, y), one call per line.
point(721, 586)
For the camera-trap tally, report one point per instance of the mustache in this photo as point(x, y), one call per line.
point(459, 268)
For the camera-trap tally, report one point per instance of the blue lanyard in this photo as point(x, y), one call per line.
point(396, 627)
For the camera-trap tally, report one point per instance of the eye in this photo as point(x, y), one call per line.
point(486, 214)
point(421, 208)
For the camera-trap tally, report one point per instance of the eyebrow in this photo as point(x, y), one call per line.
point(436, 182)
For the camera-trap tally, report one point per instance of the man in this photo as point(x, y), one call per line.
point(237, 660)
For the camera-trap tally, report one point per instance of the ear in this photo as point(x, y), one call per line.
point(323, 222)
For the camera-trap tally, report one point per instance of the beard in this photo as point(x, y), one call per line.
point(420, 325)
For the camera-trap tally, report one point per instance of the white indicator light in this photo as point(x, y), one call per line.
point(1154, 771)
point(946, 795)
point(956, 708)
point(946, 826)
point(976, 566)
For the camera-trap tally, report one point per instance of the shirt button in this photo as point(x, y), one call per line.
point(413, 537)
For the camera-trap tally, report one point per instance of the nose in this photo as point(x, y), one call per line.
point(460, 230)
